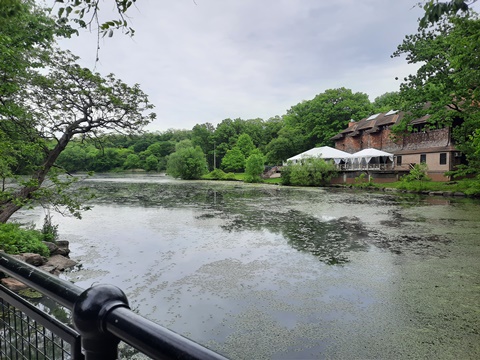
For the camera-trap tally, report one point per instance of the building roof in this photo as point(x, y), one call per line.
point(373, 123)
point(422, 120)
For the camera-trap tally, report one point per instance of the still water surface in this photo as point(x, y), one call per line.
point(269, 272)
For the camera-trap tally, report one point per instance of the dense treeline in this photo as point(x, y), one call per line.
point(229, 144)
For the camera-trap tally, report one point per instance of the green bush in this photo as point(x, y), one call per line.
point(417, 173)
point(254, 168)
point(49, 230)
point(473, 187)
point(187, 163)
point(218, 174)
point(14, 240)
point(310, 172)
point(415, 180)
point(362, 183)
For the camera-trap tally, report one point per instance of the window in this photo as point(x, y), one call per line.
point(443, 158)
point(423, 158)
point(399, 160)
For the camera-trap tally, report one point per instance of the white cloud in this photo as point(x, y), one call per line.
point(209, 60)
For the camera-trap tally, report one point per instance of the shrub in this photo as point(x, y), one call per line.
point(311, 172)
point(361, 182)
point(14, 240)
point(218, 174)
point(415, 180)
point(49, 231)
point(254, 168)
point(230, 176)
point(473, 187)
point(187, 163)
point(417, 173)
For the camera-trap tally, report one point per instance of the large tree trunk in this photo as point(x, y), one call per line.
point(16, 201)
point(7, 211)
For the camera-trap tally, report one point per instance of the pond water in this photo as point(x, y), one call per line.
point(270, 272)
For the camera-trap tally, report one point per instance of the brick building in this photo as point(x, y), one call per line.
point(434, 147)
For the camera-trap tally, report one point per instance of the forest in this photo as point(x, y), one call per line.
point(305, 125)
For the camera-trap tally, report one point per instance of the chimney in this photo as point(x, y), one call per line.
point(351, 123)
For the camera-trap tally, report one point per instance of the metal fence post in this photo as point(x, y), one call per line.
point(89, 317)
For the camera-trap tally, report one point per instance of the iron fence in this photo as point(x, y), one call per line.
point(101, 319)
point(26, 332)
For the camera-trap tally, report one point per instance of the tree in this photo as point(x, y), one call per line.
point(255, 129)
point(386, 102)
point(254, 167)
point(85, 14)
point(327, 114)
point(290, 141)
point(187, 163)
point(162, 148)
point(202, 135)
point(245, 144)
point(132, 161)
point(234, 160)
point(74, 158)
point(151, 163)
point(25, 34)
point(446, 85)
point(435, 10)
point(56, 104)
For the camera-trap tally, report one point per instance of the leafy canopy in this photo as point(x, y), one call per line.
point(446, 85)
point(435, 10)
point(46, 100)
point(254, 167)
point(325, 115)
point(187, 163)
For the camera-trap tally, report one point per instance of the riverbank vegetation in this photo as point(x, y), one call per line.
point(68, 123)
point(310, 172)
point(468, 187)
point(16, 240)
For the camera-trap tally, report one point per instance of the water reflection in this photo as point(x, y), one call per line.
point(249, 209)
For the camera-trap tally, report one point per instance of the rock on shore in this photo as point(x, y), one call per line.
point(55, 264)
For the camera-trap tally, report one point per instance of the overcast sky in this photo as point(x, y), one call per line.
point(207, 60)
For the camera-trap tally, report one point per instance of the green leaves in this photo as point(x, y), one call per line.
point(234, 160)
point(42, 110)
point(254, 167)
point(85, 13)
point(310, 172)
point(187, 163)
point(445, 85)
point(325, 115)
point(435, 10)
point(14, 240)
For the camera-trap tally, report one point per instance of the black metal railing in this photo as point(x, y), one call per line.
point(101, 318)
point(27, 332)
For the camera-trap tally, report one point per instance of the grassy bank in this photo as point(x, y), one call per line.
point(468, 187)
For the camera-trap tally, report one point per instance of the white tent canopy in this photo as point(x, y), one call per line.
point(323, 152)
point(363, 159)
point(367, 158)
point(370, 153)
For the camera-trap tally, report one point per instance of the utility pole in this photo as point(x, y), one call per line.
point(214, 157)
